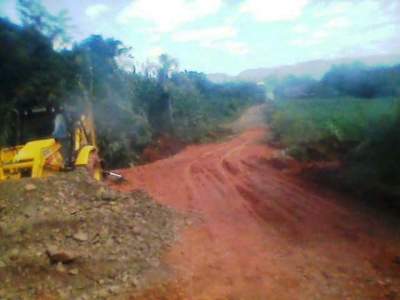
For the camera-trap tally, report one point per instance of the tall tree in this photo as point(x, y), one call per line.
point(167, 65)
point(34, 14)
point(31, 72)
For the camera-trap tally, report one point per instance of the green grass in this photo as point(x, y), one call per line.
point(329, 128)
point(364, 134)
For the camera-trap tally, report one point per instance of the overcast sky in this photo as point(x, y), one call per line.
point(233, 35)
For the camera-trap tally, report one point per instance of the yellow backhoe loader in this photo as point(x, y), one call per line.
point(38, 154)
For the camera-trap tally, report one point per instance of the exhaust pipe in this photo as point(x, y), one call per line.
point(114, 176)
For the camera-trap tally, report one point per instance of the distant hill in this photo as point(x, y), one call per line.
point(220, 77)
point(314, 68)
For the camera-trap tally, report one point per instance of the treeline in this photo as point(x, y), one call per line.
point(351, 116)
point(356, 80)
point(132, 108)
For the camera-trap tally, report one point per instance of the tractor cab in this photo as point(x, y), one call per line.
point(34, 124)
point(37, 153)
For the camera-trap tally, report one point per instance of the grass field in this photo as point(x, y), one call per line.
point(364, 134)
point(324, 128)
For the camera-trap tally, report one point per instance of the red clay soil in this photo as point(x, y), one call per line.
point(264, 234)
point(164, 146)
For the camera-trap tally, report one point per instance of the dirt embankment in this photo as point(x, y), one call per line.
point(69, 237)
point(266, 234)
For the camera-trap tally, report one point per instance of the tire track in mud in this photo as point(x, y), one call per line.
point(264, 234)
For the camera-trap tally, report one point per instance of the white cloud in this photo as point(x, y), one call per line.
point(205, 36)
point(319, 35)
point(233, 47)
point(338, 23)
point(94, 11)
point(334, 8)
point(300, 28)
point(169, 15)
point(315, 38)
point(371, 10)
point(220, 38)
point(298, 42)
point(274, 10)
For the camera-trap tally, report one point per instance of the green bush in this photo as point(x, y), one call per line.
point(341, 123)
point(362, 133)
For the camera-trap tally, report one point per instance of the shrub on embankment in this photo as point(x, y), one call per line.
point(352, 117)
point(363, 134)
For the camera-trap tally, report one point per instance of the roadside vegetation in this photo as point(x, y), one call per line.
point(352, 117)
point(134, 104)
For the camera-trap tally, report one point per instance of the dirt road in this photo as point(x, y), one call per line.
point(265, 234)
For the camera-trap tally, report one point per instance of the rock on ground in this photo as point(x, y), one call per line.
point(70, 237)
